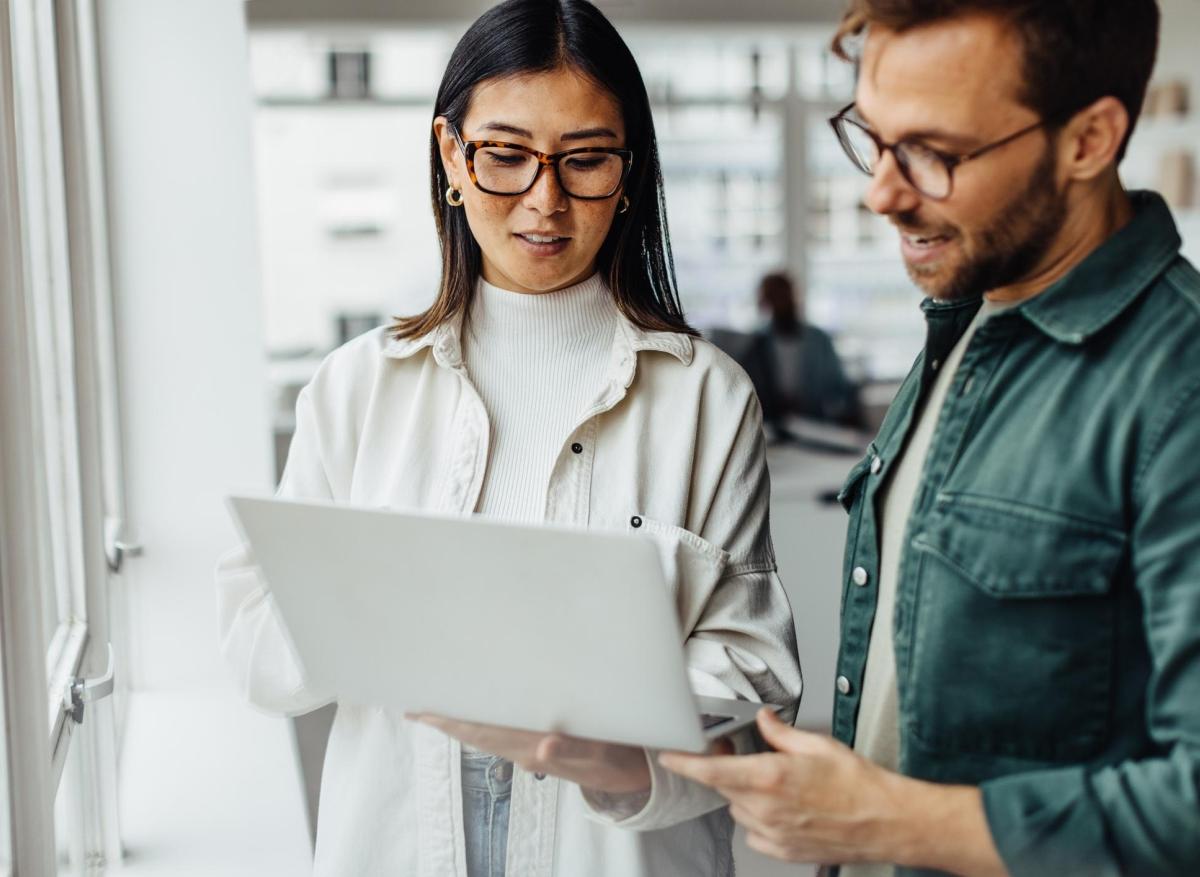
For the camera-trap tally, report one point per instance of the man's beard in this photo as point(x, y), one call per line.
point(1009, 248)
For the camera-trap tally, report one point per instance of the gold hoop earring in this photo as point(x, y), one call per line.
point(454, 197)
point(624, 208)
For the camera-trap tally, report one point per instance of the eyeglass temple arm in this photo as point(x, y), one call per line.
point(983, 150)
point(457, 137)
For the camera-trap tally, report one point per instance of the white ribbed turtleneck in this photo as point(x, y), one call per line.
point(537, 360)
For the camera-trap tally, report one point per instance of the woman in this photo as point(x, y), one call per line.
point(553, 379)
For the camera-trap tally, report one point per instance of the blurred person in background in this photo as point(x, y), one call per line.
point(554, 379)
point(793, 364)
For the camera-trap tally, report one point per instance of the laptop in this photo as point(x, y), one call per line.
point(541, 628)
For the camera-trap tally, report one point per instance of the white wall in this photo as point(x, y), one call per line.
point(326, 168)
point(1156, 137)
point(1177, 47)
point(177, 105)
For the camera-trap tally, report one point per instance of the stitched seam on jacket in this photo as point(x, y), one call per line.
point(1026, 510)
point(1158, 436)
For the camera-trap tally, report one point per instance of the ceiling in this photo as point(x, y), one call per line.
point(747, 12)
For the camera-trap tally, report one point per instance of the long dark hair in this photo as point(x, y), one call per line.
point(532, 36)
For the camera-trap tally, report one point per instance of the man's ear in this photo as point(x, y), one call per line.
point(1091, 140)
point(448, 147)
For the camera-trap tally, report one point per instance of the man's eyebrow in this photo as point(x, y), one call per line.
point(924, 134)
point(582, 134)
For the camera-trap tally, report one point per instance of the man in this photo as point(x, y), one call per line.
point(794, 366)
point(1019, 674)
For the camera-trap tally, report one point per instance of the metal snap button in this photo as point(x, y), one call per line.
point(635, 521)
point(843, 685)
point(577, 448)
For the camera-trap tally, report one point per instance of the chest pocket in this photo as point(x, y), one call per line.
point(1012, 644)
point(691, 565)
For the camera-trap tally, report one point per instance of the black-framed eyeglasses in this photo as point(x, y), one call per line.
point(591, 173)
point(930, 171)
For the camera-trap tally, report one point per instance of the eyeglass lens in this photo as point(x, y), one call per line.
point(920, 165)
point(583, 174)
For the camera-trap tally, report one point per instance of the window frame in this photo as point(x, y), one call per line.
point(59, 439)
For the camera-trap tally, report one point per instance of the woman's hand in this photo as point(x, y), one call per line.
point(595, 766)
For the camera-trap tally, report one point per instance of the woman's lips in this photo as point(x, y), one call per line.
point(542, 245)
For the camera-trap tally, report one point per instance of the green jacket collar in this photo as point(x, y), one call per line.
point(1104, 284)
point(1112, 276)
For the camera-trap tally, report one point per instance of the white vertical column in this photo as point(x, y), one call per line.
point(795, 173)
point(177, 108)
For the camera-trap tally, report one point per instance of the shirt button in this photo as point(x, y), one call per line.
point(577, 448)
point(935, 364)
point(843, 685)
point(860, 576)
point(635, 521)
point(876, 465)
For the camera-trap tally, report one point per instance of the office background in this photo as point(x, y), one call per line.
point(257, 176)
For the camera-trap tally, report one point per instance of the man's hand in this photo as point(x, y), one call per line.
point(816, 800)
point(601, 767)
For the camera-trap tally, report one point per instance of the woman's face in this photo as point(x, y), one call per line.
point(549, 112)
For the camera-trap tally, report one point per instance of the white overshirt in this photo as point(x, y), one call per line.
point(673, 438)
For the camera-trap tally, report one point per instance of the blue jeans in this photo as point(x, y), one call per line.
point(486, 792)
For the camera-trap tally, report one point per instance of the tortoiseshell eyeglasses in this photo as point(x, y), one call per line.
point(591, 173)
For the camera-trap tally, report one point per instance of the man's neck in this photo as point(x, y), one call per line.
point(1091, 221)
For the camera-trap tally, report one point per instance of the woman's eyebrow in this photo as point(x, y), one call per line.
point(505, 128)
point(582, 134)
point(589, 133)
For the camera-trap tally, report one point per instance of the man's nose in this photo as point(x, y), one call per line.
point(889, 191)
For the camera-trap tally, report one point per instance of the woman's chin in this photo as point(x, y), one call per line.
point(542, 281)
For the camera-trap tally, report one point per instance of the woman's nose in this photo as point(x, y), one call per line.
point(546, 196)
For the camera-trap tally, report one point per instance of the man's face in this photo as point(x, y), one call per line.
point(954, 86)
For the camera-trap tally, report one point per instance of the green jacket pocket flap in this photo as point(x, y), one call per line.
point(1010, 549)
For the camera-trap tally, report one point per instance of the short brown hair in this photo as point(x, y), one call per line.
point(1076, 51)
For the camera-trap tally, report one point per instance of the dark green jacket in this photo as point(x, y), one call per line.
point(1047, 624)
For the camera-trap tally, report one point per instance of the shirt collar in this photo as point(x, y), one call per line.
point(446, 343)
point(1097, 290)
point(1111, 277)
